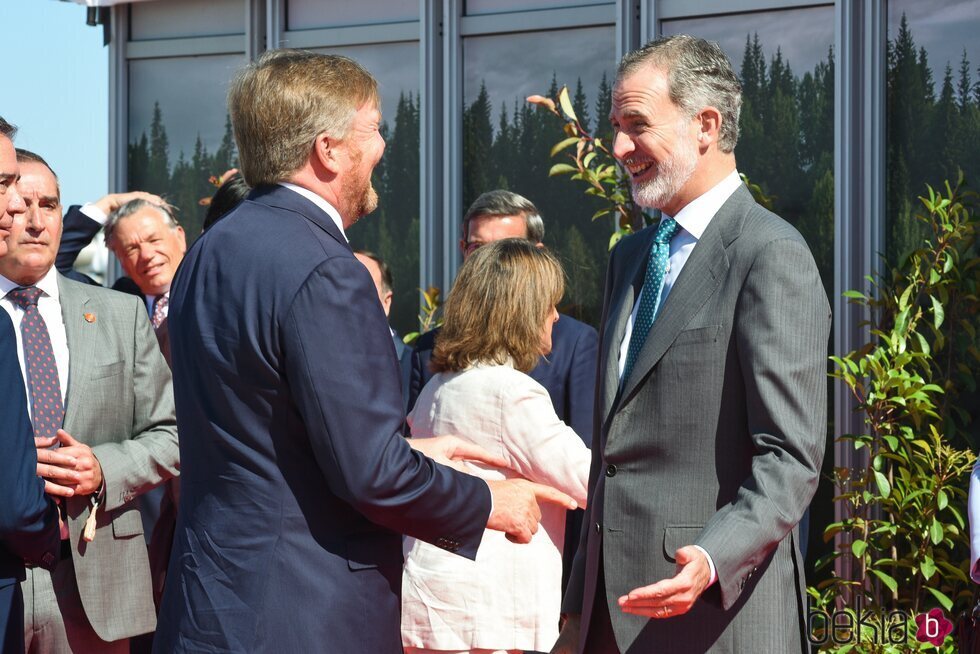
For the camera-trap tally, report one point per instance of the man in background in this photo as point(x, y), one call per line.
point(113, 425)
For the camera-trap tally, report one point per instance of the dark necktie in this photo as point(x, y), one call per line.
point(48, 409)
point(650, 295)
point(159, 311)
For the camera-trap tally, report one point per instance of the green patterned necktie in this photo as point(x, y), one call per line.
point(650, 296)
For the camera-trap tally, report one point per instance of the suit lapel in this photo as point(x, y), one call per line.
point(703, 270)
point(81, 320)
point(621, 308)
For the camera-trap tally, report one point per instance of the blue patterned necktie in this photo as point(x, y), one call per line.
point(47, 407)
point(650, 295)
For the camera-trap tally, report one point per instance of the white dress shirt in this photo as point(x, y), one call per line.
point(973, 513)
point(693, 219)
point(49, 306)
point(320, 202)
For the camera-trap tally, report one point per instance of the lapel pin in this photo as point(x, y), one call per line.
point(89, 317)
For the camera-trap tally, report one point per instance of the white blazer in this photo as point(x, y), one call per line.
point(510, 596)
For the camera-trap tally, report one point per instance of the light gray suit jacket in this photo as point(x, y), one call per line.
point(716, 439)
point(120, 403)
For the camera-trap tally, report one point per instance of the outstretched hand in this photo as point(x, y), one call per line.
point(674, 596)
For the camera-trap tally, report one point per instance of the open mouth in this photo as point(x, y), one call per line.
point(639, 169)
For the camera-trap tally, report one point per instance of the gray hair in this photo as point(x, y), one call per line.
point(699, 75)
point(6, 129)
point(132, 207)
point(506, 203)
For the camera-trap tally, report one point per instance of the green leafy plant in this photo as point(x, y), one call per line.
point(904, 526)
point(429, 317)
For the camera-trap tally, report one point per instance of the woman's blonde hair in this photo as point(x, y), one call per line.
point(497, 308)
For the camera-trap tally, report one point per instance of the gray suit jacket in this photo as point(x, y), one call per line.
point(716, 439)
point(119, 402)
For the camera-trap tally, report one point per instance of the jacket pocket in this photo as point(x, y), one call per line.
point(678, 536)
point(698, 335)
point(101, 372)
point(127, 522)
point(369, 551)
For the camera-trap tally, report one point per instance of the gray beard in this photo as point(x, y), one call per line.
point(670, 178)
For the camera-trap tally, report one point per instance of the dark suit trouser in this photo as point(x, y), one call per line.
point(600, 639)
point(12, 622)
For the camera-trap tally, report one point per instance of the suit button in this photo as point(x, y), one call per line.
point(610, 470)
point(598, 528)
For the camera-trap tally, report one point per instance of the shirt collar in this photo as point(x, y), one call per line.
point(696, 215)
point(320, 202)
point(48, 284)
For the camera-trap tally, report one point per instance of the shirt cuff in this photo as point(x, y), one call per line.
point(92, 211)
point(711, 566)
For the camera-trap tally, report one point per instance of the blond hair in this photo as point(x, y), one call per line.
point(497, 307)
point(280, 103)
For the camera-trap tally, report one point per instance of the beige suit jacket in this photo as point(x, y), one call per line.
point(120, 402)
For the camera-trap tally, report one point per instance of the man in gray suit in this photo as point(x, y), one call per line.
point(711, 407)
point(101, 392)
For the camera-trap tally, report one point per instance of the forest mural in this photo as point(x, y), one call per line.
point(786, 146)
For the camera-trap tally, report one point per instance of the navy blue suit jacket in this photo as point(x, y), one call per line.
point(28, 518)
point(295, 480)
point(569, 375)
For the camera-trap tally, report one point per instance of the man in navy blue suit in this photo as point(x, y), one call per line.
point(569, 372)
point(28, 518)
point(296, 482)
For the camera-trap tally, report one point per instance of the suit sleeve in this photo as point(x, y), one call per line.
point(78, 230)
point(28, 518)
point(782, 326)
point(151, 456)
point(347, 391)
point(420, 374)
point(581, 383)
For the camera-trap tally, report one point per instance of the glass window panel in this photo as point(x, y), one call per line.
point(313, 14)
point(933, 108)
point(506, 142)
point(179, 133)
point(786, 145)
point(392, 231)
point(474, 7)
point(180, 18)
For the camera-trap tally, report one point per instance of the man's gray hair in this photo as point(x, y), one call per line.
point(699, 75)
point(6, 129)
point(131, 207)
point(506, 203)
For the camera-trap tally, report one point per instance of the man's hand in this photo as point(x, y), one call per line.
point(113, 201)
point(70, 470)
point(515, 507)
point(451, 451)
point(567, 642)
point(56, 468)
point(673, 596)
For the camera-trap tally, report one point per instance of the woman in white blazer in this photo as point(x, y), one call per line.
point(498, 321)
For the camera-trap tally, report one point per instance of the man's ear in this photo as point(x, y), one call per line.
point(709, 126)
point(325, 152)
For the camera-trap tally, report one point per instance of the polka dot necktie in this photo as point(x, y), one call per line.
point(48, 410)
point(159, 311)
point(650, 297)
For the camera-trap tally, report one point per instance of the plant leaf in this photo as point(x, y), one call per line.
point(566, 104)
point(938, 313)
point(561, 168)
point(883, 486)
point(943, 598)
point(564, 143)
point(886, 579)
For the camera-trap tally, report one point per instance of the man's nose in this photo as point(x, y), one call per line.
point(15, 203)
point(622, 146)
